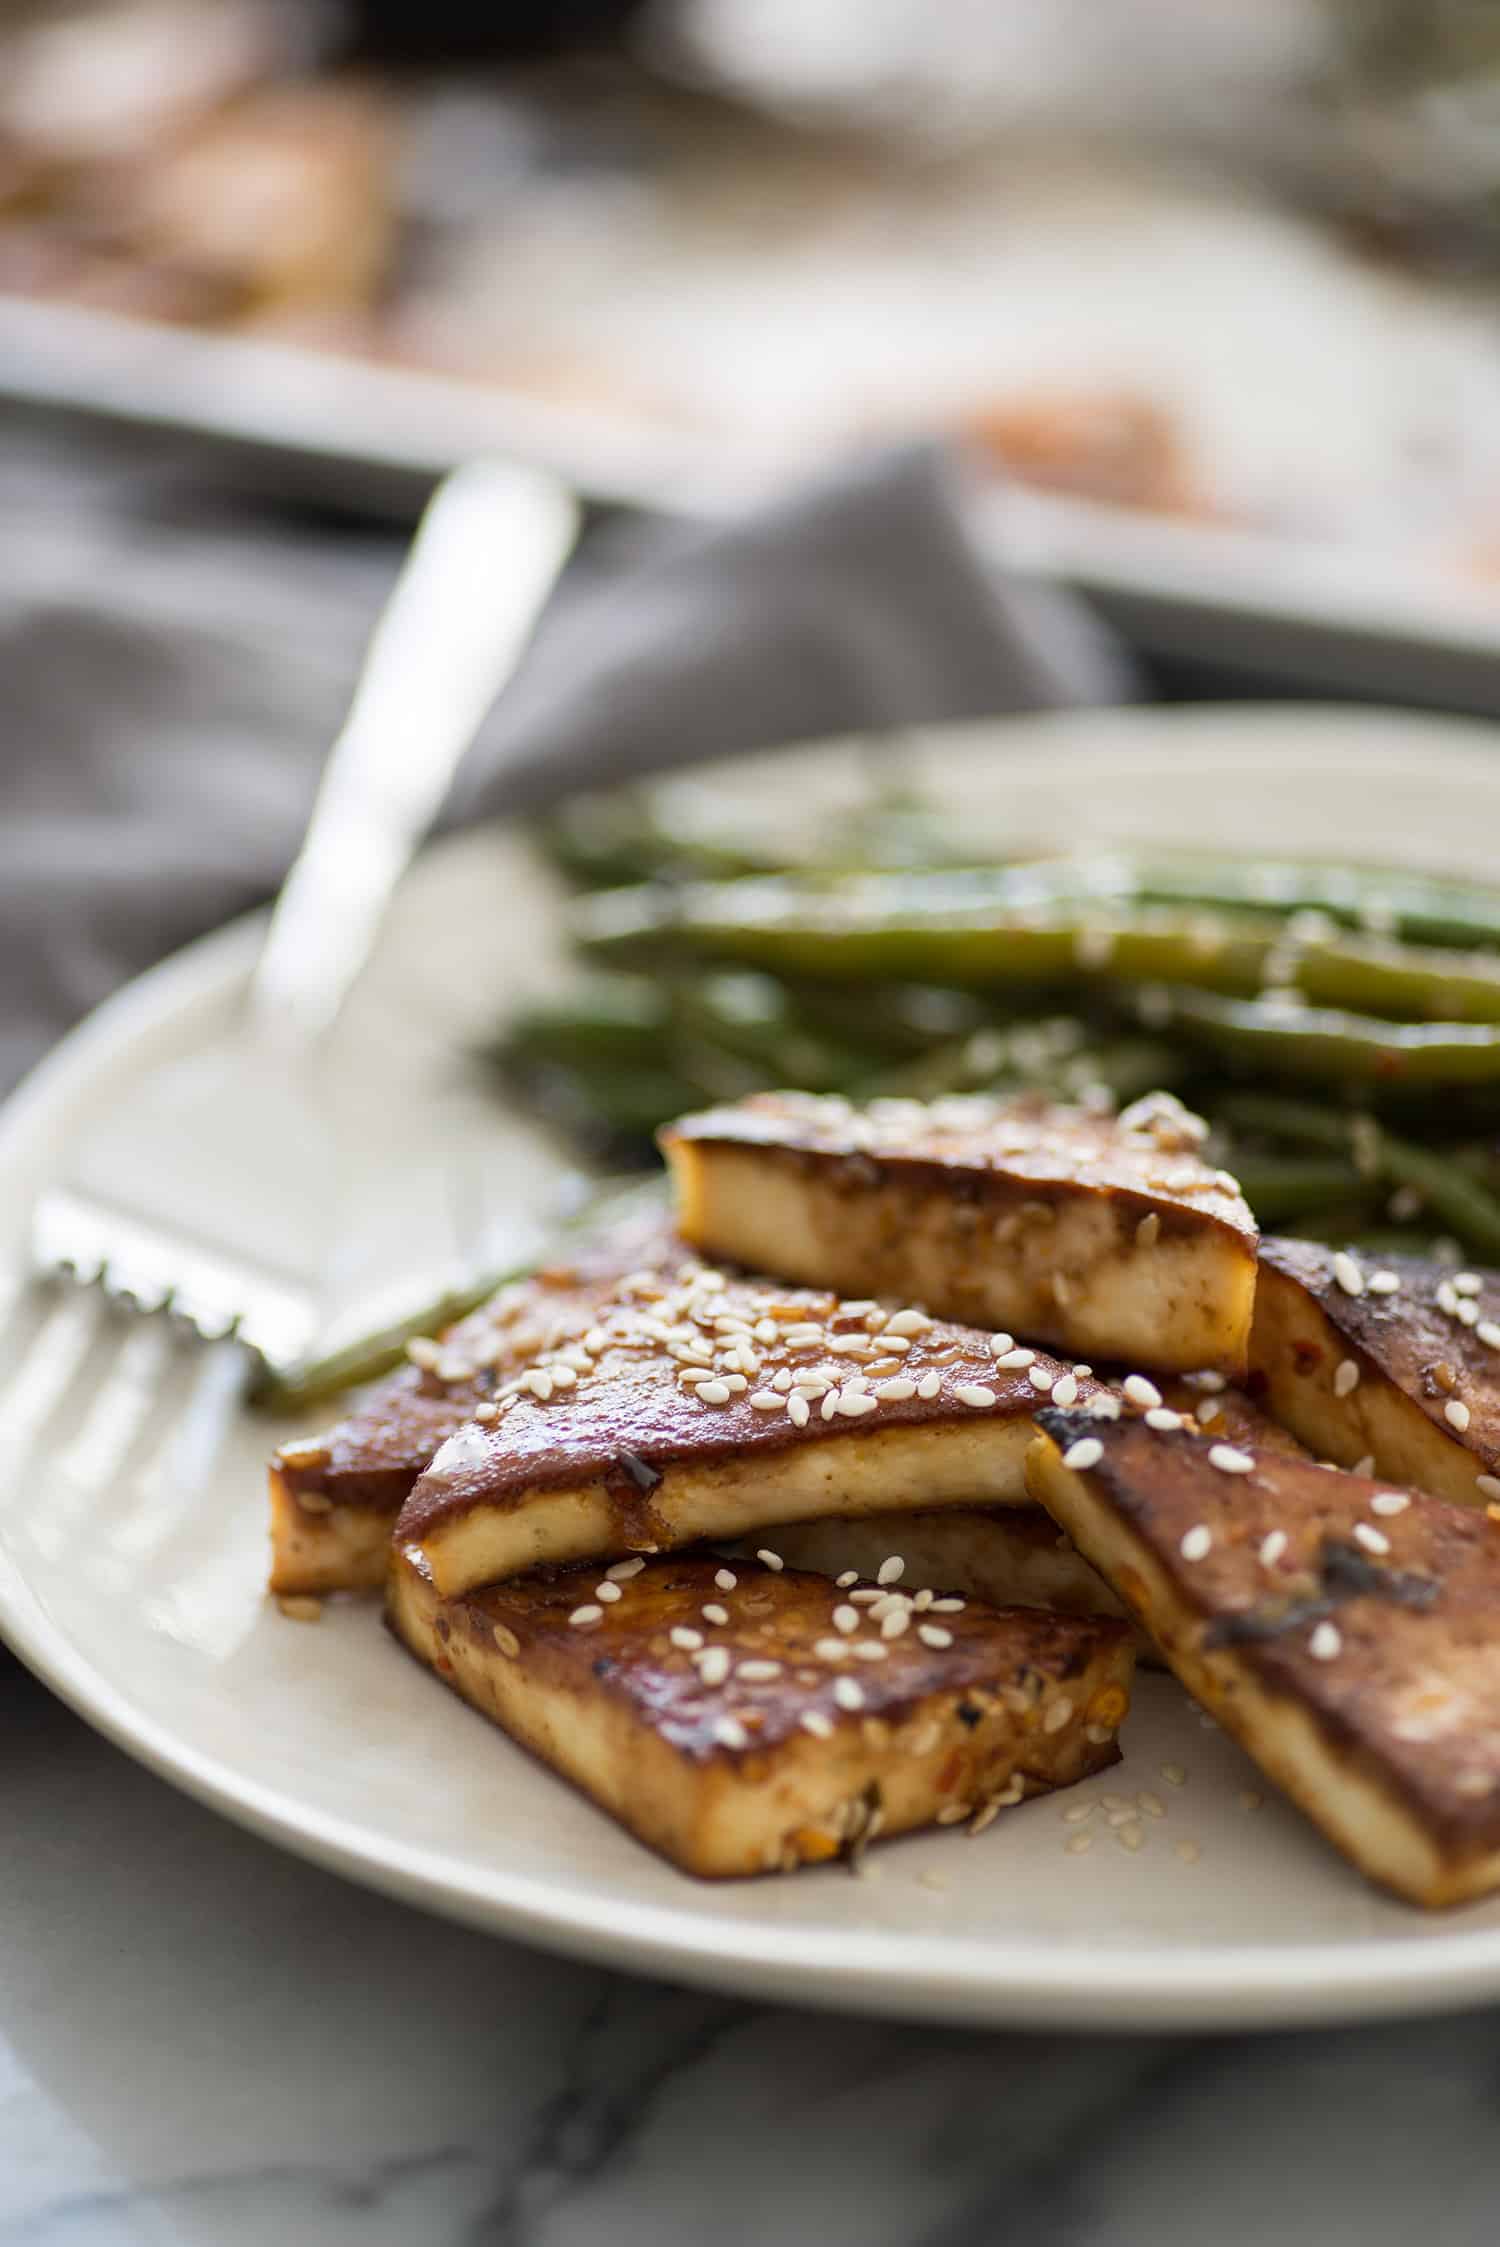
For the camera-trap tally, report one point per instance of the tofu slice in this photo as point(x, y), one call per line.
point(1346, 1634)
point(335, 1497)
point(771, 1739)
point(1404, 1375)
point(699, 1404)
point(1101, 1236)
point(1008, 1556)
point(1227, 1414)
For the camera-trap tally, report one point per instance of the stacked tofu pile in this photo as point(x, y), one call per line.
point(839, 1504)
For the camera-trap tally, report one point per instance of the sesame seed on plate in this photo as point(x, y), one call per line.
point(1272, 1546)
point(815, 1722)
point(1174, 1774)
point(933, 1635)
point(1325, 1643)
point(1228, 1460)
point(1456, 1413)
point(713, 1664)
point(1373, 1540)
point(1087, 1452)
point(581, 1617)
point(623, 1570)
point(770, 1560)
point(973, 1394)
point(1346, 1377)
point(1196, 1542)
point(1141, 1391)
point(1348, 1274)
point(848, 1693)
point(1078, 1844)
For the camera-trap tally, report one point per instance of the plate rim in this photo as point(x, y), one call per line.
point(977, 1980)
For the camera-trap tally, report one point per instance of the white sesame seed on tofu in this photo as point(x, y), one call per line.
point(622, 1570)
point(581, 1617)
point(815, 1722)
point(1162, 1419)
point(1348, 1274)
point(1141, 1391)
point(1396, 1501)
point(1065, 1391)
point(608, 1592)
point(1086, 1453)
point(975, 1395)
point(1104, 1406)
point(1040, 1378)
point(929, 1386)
point(934, 1635)
point(770, 1560)
point(1229, 1461)
point(1196, 1542)
point(730, 1733)
point(758, 1672)
point(1272, 1546)
point(1346, 1378)
point(1373, 1540)
point(848, 1693)
point(1326, 1643)
point(1467, 1283)
point(713, 1664)
point(846, 1619)
point(891, 1569)
point(1384, 1283)
point(1488, 1486)
point(797, 1411)
point(712, 1612)
point(1456, 1413)
point(1014, 1360)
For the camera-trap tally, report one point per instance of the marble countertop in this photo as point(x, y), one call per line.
point(209, 2044)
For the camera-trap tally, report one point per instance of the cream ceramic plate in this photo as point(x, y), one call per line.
point(137, 1594)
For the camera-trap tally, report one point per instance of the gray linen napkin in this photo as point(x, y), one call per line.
point(173, 666)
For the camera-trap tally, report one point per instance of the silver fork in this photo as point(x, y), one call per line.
point(173, 1205)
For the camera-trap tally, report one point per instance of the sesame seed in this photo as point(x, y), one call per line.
point(505, 1639)
point(848, 1693)
point(869, 1650)
point(908, 1322)
point(766, 1400)
point(1040, 1378)
point(846, 1619)
point(1384, 1283)
point(897, 1391)
point(1362, 1466)
point(850, 1576)
point(1272, 1546)
point(1160, 1418)
point(1152, 1804)
point(1141, 1391)
point(815, 1722)
point(1078, 1844)
point(1467, 1283)
point(830, 1649)
point(730, 1733)
point(891, 1570)
point(933, 1635)
point(486, 1414)
point(977, 1397)
point(1196, 1542)
point(713, 1664)
point(301, 1607)
point(1174, 1774)
point(1188, 1851)
point(1226, 1181)
point(1103, 1406)
point(1373, 1540)
point(1229, 1461)
point(1087, 1452)
point(424, 1352)
point(1346, 1378)
point(1148, 1231)
point(1014, 1360)
point(1325, 1643)
point(726, 1579)
point(1065, 1391)
point(758, 1672)
point(607, 1592)
point(581, 1617)
point(797, 1411)
point(1131, 1836)
point(1059, 1713)
point(929, 1386)
point(770, 1560)
point(852, 1403)
point(893, 1624)
point(623, 1570)
point(689, 1640)
point(1488, 1333)
point(1209, 1411)
point(1077, 1813)
point(1488, 1486)
point(713, 1392)
point(829, 1407)
point(876, 1601)
point(1456, 1413)
point(923, 1598)
point(712, 1612)
point(1000, 1343)
point(1348, 1274)
point(942, 1606)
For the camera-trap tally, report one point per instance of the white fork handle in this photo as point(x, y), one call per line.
point(486, 555)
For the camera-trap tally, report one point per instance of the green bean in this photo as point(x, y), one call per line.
point(1322, 1045)
point(1280, 1188)
point(752, 1017)
point(614, 1018)
point(316, 1379)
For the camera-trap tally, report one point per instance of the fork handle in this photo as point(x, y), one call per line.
point(486, 555)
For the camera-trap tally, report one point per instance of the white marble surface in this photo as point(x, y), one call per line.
point(204, 2043)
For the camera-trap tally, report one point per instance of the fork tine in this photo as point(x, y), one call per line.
point(59, 1349)
point(121, 1403)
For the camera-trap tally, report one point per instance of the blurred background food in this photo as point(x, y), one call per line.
point(1180, 256)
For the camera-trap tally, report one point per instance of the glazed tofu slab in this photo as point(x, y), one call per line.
point(1101, 1236)
point(335, 1497)
point(1345, 1632)
point(1394, 1365)
point(744, 1719)
point(697, 1404)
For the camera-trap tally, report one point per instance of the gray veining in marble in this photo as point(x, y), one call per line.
point(204, 2043)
